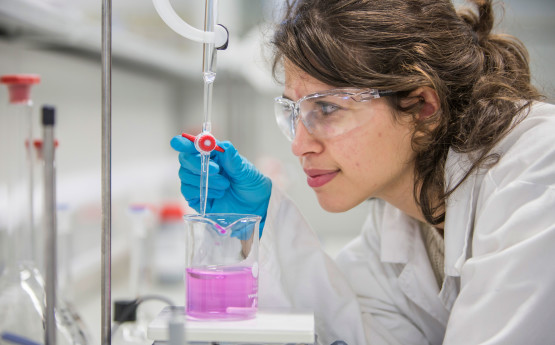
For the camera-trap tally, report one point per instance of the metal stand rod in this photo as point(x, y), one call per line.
point(106, 171)
point(48, 114)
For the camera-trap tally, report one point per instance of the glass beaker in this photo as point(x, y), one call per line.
point(221, 275)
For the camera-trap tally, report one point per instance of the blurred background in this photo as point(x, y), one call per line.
point(157, 93)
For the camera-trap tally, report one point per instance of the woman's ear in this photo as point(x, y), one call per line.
point(429, 99)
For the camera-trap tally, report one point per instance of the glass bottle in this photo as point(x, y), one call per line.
point(169, 245)
point(22, 292)
point(21, 285)
point(140, 217)
point(132, 322)
point(67, 317)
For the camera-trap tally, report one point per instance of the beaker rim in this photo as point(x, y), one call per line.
point(222, 215)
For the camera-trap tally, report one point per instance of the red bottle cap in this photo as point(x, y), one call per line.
point(37, 143)
point(171, 212)
point(19, 86)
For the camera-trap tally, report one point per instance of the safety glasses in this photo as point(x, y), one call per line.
point(325, 114)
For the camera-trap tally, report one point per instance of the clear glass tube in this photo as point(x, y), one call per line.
point(205, 162)
point(209, 63)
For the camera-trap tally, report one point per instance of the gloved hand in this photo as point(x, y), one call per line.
point(234, 184)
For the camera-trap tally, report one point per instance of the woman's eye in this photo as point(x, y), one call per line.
point(327, 108)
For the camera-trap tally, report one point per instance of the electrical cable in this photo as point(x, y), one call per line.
point(133, 307)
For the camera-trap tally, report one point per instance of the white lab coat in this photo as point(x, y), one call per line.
point(499, 286)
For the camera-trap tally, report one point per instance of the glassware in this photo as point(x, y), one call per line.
point(21, 284)
point(221, 275)
point(22, 287)
point(169, 245)
point(140, 217)
point(204, 143)
point(132, 321)
point(37, 187)
point(17, 166)
point(68, 319)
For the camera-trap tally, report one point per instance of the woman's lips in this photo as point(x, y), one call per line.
point(317, 178)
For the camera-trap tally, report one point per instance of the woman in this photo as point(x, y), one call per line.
point(433, 118)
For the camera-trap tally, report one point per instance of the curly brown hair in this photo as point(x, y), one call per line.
point(482, 79)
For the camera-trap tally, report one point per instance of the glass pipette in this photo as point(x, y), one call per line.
point(204, 143)
point(208, 76)
point(214, 37)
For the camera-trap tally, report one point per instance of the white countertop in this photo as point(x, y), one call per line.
point(269, 326)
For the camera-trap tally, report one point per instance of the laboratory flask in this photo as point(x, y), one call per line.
point(21, 284)
point(221, 275)
point(16, 214)
point(22, 287)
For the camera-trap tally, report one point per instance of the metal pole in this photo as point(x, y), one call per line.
point(48, 114)
point(106, 171)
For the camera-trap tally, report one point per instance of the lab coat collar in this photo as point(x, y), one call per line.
point(460, 211)
point(398, 240)
point(401, 243)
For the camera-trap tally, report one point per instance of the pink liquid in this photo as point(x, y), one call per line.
point(221, 292)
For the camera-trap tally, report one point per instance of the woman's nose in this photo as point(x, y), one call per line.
point(304, 143)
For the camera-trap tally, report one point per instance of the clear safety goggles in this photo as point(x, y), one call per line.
point(325, 114)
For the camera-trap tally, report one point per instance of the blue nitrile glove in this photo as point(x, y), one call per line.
point(234, 184)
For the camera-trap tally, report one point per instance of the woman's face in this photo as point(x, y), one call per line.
point(374, 159)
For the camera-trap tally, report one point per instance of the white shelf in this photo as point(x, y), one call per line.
point(43, 22)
